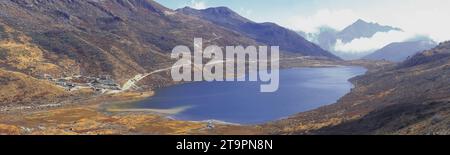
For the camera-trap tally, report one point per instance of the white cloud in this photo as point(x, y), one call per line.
point(379, 40)
point(428, 17)
point(245, 12)
point(415, 17)
point(198, 4)
point(337, 19)
point(418, 16)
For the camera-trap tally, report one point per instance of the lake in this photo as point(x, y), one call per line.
point(301, 89)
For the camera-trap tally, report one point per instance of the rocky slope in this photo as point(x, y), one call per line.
point(18, 88)
point(120, 37)
point(20, 62)
point(408, 98)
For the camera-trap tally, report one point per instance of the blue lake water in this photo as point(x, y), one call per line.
point(301, 89)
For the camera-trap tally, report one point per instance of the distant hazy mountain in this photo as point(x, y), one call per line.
point(327, 37)
point(363, 29)
point(351, 55)
point(266, 33)
point(398, 52)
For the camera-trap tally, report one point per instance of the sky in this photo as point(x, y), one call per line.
point(415, 17)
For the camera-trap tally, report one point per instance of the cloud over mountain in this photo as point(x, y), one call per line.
point(377, 41)
point(197, 4)
point(336, 19)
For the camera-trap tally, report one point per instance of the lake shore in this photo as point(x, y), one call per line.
point(88, 116)
point(300, 91)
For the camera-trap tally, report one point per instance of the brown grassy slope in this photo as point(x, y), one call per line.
point(18, 88)
point(409, 98)
point(20, 62)
point(19, 53)
point(85, 118)
point(117, 37)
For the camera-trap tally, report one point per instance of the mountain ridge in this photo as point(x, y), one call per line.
point(119, 37)
point(328, 37)
point(267, 33)
point(400, 51)
point(94, 38)
point(363, 29)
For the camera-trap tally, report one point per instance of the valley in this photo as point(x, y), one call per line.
point(79, 68)
point(94, 113)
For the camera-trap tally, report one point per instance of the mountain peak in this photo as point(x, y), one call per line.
point(221, 9)
point(363, 29)
point(215, 13)
point(186, 8)
point(361, 21)
point(224, 11)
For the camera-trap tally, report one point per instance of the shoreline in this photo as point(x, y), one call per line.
point(129, 96)
point(176, 110)
point(155, 119)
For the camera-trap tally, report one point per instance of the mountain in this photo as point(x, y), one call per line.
point(362, 29)
point(93, 38)
point(327, 37)
point(120, 38)
point(112, 38)
point(266, 33)
point(398, 52)
point(352, 55)
point(406, 98)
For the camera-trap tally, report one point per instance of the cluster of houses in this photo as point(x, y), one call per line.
point(100, 84)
